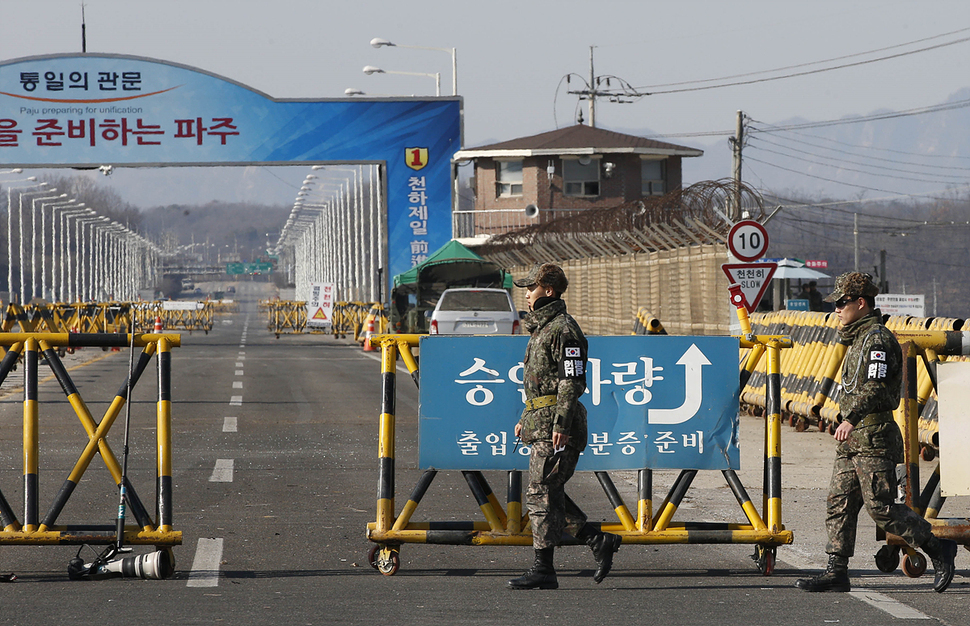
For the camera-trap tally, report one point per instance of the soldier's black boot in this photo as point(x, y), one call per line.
point(604, 546)
point(834, 578)
point(542, 574)
point(943, 553)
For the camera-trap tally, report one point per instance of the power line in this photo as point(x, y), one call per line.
point(829, 180)
point(938, 178)
point(792, 67)
point(830, 207)
point(807, 72)
point(949, 106)
point(846, 152)
point(852, 145)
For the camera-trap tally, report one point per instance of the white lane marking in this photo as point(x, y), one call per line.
point(205, 566)
point(241, 356)
point(222, 473)
point(887, 604)
point(237, 384)
point(230, 425)
point(239, 372)
point(239, 364)
point(235, 401)
point(884, 603)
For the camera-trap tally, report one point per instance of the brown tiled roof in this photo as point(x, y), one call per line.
point(580, 138)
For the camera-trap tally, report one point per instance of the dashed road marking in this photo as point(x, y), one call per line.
point(887, 604)
point(222, 473)
point(230, 425)
point(239, 372)
point(205, 566)
point(237, 384)
point(235, 401)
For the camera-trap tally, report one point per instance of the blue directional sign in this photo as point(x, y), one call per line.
point(661, 402)
point(97, 109)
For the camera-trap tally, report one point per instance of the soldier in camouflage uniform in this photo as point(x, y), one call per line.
point(554, 425)
point(870, 443)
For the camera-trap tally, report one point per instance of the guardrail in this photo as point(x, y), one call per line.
point(33, 529)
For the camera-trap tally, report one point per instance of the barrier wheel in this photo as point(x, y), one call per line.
point(887, 559)
point(914, 565)
point(388, 561)
point(765, 559)
point(801, 425)
point(927, 453)
point(372, 556)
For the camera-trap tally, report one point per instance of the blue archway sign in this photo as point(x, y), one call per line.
point(92, 109)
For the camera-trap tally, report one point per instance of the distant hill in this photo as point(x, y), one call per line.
point(220, 231)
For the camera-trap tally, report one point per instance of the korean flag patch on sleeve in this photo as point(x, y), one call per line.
point(573, 363)
point(877, 368)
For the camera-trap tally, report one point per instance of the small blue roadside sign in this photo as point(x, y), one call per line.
point(661, 402)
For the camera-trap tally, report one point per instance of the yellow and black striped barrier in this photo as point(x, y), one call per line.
point(646, 323)
point(95, 317)
point(188, 315)
point(289, 317)
point(34, 530)
point(811, 376)
point(510, 526)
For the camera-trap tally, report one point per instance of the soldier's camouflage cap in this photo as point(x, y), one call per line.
point(547, 275)
point(853, 284)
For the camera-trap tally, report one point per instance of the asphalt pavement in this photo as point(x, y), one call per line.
point(275, 480)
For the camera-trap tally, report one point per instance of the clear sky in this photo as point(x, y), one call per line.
point(513, 55)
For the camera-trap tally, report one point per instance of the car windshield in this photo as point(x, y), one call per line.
point(474, 301)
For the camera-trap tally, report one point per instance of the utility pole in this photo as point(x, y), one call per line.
point(855, 239)
point(592, 91)
point(84, 38)
point(623, 94)
point(883, 283)
point(737, 143)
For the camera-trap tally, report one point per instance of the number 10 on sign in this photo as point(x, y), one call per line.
point(748, 240)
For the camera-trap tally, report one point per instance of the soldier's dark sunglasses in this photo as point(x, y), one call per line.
point(844, 300)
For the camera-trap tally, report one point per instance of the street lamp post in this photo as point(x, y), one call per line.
point(43, 241)
point(33, 243)
point(30, 181)
point(377, 42)
point(64, 241)
point(371, 69)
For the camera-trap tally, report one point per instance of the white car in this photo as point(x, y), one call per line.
point(474, 311)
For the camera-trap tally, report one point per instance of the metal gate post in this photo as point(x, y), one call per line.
point(164, 436)
point(772, 488)
point(31, 440)
point(385, 452)
point(907, 420)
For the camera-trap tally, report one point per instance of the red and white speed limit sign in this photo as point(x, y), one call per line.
point(748, 240)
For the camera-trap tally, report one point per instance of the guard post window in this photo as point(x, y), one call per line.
point(581, 177)
point(508, 178)
point(652, 174)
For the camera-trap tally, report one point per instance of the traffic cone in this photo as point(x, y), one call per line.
point(158, 324)
point(367, 335)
